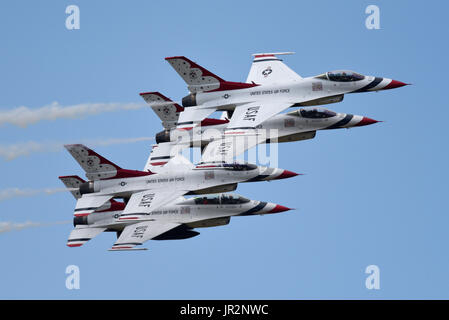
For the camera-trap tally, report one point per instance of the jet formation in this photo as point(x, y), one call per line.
point(154, 203)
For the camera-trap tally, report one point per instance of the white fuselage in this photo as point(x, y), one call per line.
point(280, 128)
point(306, 89)
point(197, 178)
point(193, 212)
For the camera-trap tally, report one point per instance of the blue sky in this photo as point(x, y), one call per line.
point(372, 195)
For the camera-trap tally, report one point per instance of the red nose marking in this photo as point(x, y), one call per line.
point(366, 121)
point(279, 208)
point(395, 84)
point(287, 174)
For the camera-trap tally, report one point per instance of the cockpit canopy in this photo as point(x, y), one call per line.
point(341, 76)
point(221, 199)
point(316, 113)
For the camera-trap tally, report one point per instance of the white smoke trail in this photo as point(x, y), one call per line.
point(23, 116)
point(17, 192)
point(13, 151)
point(8, 226)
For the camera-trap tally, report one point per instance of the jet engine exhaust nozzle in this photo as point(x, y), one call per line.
point(189, 101)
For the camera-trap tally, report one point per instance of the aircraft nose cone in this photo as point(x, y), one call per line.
point(279, 208)
point(366, 121)
point(395, 84)
point(287, 174)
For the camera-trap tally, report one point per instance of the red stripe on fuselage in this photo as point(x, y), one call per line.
point(158, 163)
point(81, 214)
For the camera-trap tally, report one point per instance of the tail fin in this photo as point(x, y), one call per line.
point(162, 154)
point(200, 79)
point(167, 110)
point(72, 183)
point(267, 68)
point(98, 167)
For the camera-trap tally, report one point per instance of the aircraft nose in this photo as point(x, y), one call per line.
point(279, 208)
point(287, 174)
point(394, 84)
point(268, 174)
point(366, 121)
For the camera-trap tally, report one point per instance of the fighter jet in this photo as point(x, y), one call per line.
point(271, 87)
point(297, 125)
point(147, 191)
point(175, 220)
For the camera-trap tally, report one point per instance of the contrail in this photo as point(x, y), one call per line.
point(17, 192)
point(13, 151)
point(23, 116)
point(8, 226)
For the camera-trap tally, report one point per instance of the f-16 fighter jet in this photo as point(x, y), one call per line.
point(271, 87)
point(211, 134)
point(147, 191)
point(175, 220)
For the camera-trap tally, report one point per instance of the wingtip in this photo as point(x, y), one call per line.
point(127, 249)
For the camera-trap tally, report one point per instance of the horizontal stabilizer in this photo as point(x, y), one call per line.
point(98, 167)
point(72, 183)
point(200, 79)
point(196, 77)
point(80, 236)
point(167, 110)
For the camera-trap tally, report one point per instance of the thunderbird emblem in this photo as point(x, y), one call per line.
point(267, 72)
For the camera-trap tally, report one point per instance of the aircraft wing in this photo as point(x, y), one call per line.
point(192, 116)
point(138, 233)
point(250, 115)
point(231, 145)
point(142, 203)
point(88, 203)
point(267, 68)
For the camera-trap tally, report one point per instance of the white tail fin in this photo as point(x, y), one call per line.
point(162, 154)
point(267, 68)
